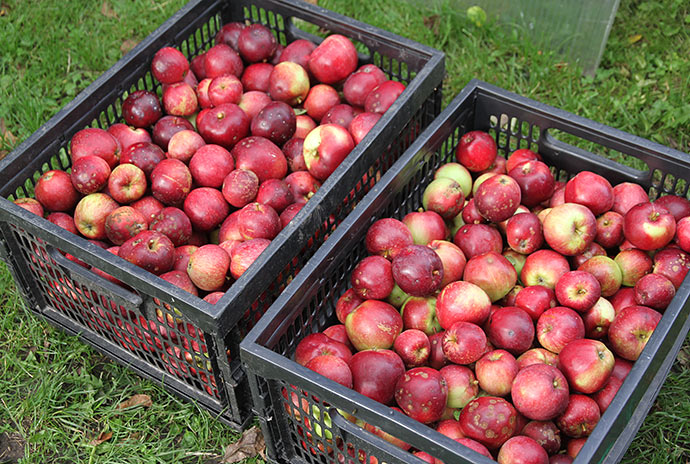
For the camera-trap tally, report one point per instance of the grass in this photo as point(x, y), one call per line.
point(58, 396)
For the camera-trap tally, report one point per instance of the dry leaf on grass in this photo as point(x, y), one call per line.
point(103, 437)
point(7, 139)
point(432, 23)
point(250, 445)
point(107, 10)
point(127, 45)
point(136, 400)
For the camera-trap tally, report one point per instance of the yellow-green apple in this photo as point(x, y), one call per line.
point(463, 386)
point(419, 312)
point(633, 263)
point(491, 272)
point(458, 173)
point(569, 228)
point(606, 271)
point(444, 196)
point(90, 215)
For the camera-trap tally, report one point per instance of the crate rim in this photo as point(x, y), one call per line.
point(253, 349)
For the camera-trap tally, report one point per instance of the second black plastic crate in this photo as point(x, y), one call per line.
point(292, 400)
point(161, 332)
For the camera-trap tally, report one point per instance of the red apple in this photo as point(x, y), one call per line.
point(144, 155)
point(208, 267)
point(654, 291)
point(540, 392)
point(418, 270)
point(320, 99)
point(520, 156)
point(544, 267)
point(598, 318)
point(626, 195)
point(318, 344)
point(524, 233)
point(537, 356)
point(256, 43)
point(606, 271)
point(325, 148)
point(169, 65)
point(288, 83)
point(361, 124)
point(252, 102)
point(142, 109)
point(453, 260)
point(97, 142)
point(275, 193)
point(591, 190)
point(649, 226)
point(127, 183)
point(476, 151)
point(372, 278)
point(210, 164)
point(276, 121)
point(128, 135)
point(346, 303)
point(333, 59)
point(413, 347)
point(165, 128)
point(302, 185)
point(672, 263)
point(511, 329)
point(426, 226)
point(387, 237)
point(173, 223)
point(179, 99)
point(678, 206)
point(489, 420)
point(536, 182)
point(578, 290)
point(559, 326)
point(535, 300)
point(240, 187)
point(464, 342)
point(586, 364)
point(497, 198)
point(421, 393)
point(183, 144)
point(149, 207)
point(55, 191)
point(224, 125)
point(633, 263)
point(383, 96)
point(444, 196)
point(580, 417)
point(260, 155)
point(522, 450)
point(631, 329)
point(375, 374)
point(373, 324)
point(496, 371)
point(149, 250)
point(206, 208)
point(546, 433)
point(477, 239)
point(332, 367)
point(420, 313)
point(124, 223)
point(257, 220)
point(462, 301)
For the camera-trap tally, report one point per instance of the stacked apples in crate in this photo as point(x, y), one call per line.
point(198, 178)
point(507, 312)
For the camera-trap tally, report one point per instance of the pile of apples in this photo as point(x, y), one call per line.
point(198, 178)
point(506, 312)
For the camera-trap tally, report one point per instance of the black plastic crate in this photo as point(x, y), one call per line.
point(161, 332)
point(285, 393)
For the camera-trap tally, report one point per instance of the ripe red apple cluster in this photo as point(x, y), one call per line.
point(507, 312)
point(196, 180)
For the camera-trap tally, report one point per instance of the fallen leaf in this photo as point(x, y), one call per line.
point(103, 437)
point(127, 45)
point(136, 400)
point(250, 445)
point(684, 358)
point(107, 10)
point(634, 38)
point(432, 23)
point(7, 139)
